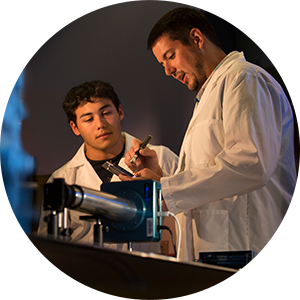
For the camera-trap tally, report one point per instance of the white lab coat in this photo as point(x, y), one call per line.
point(79, 171)
point(236, 173)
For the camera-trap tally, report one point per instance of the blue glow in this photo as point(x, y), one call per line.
point(15, 163)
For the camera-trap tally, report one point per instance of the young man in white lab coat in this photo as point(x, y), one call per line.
point(95, 113)
point(236, 173)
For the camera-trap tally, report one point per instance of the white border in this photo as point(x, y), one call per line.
point(27, 25)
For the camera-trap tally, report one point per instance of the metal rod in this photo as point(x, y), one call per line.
point(103, 204)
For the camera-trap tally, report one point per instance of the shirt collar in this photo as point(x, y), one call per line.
point(225, 59)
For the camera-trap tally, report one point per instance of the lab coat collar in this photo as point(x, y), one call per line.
point(223, 66)
point(79, 159)
point(227, 62)
point(212, 80)
point(128, 139)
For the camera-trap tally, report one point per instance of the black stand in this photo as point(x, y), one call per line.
point(55, 228)
point(98, 229)
point(52, 228)
point(98, 233)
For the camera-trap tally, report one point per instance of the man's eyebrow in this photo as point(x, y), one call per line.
point(105, 106)
point(84, 115)
point(90, 113)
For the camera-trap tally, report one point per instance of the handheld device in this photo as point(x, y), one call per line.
point(117, 170)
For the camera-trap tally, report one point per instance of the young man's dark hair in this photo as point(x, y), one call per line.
point(178, 23)
point(88, 92)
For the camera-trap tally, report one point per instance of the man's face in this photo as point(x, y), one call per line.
point(183, 62)
point(99, 124)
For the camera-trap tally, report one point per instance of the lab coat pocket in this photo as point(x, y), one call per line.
point(206, 141)
point(212, 229)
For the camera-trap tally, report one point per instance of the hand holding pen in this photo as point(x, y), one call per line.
point(137, 161)
point(142, 146)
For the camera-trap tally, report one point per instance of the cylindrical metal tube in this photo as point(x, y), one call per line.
point(103, 204)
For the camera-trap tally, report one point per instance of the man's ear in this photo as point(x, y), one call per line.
point(121, 112)
point(74, 128)
point(196, 37)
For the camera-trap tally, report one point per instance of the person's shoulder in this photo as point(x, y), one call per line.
point(241, 67)
point(60, 172)
point(162, 150)
point(247, 72)
point(73, 163)
point(158, 148)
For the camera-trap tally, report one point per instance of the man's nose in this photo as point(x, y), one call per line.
point(100, 122)
point(169, 70)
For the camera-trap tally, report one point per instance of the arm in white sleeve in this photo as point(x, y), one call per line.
point(252, 117)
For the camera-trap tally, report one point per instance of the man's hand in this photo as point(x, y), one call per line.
point(147, 159)
point(141, 175)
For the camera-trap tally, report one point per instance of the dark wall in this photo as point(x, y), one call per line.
point(107, 44)
point(110, 44)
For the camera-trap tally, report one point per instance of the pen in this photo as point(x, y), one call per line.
point(143, 146)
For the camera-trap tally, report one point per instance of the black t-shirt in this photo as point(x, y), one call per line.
point(105, 175)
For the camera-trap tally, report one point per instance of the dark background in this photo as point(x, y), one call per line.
point(110, 44)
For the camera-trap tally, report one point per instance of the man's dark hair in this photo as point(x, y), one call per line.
point(178, 23)
point(88, 92)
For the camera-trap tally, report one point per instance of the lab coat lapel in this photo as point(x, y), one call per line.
point(82, 171)
point(212, 83)
point(204, 93)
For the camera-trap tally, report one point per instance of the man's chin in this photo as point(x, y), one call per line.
point(192, 88)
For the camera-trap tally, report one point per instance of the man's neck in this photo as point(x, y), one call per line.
point(213, 61)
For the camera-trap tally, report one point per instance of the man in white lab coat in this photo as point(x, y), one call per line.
point(95, 113)
point(236, 173)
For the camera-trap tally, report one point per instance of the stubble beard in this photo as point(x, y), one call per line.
point(199, 75)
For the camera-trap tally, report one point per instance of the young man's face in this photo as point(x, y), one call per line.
point(99, 124)
point(183, 62)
